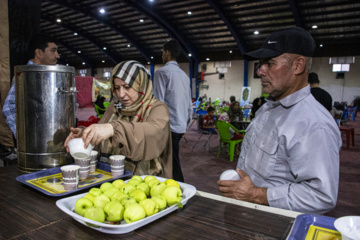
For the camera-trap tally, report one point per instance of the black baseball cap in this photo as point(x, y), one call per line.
point(290, 40)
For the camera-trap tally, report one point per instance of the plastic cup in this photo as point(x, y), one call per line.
point(70, 176)
point(229, 175)
point(117, 163)
point(93, 161)
point(84, 164)
point(77, 149)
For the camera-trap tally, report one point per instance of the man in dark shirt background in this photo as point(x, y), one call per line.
point(319, 94)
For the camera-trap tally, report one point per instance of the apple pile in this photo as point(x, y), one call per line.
point(131, 201)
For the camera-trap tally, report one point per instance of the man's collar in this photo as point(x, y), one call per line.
point(31, 63)
point(292, 99)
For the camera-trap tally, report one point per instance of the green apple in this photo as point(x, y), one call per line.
point(144, 187)
point(101, 201)
point(110, 191)
point(134, 182)
point(138, 195)
point(157, 189)
point(114, 211)
point(127, 188)
point(161, 201)
point(172, 182)
point(95, 191)
point(127, 201)
point(96, 214)
point(152, 182)
point(172, 194)
point(118, 196)
point(89, 196)
point(82, 205)
point(134, 212)
point(148, 178)
point(105, 186)
point(118, 183)
point(136, 177)
point(150, 206)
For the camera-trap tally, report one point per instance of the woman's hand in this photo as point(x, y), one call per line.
point(74, 133)
point(96, 133)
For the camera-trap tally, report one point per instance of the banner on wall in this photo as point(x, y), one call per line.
point(102, 88)
point(245, 96)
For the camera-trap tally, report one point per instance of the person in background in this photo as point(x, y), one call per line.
point(172, 86)
point(232, 99)
point(319, 94)
point(257, 103)
point(233, 135)
point(235, 115)
point(208, 123)
point(135, 125)
point(100, 103)
point(290, 154)
point(43, 50)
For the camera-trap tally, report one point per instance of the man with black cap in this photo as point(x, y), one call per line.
point(290, 154)
point(319, 94)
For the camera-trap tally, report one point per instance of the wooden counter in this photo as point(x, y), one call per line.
point(26, 213)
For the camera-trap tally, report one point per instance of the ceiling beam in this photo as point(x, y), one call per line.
point(240, 42)
point(107, 23)
point(113, 58)
point(161, 21)
point(296, 13)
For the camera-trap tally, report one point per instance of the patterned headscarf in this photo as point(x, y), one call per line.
point(138, 78)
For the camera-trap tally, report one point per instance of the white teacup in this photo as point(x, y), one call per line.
point(77, 149)
point(230, 175)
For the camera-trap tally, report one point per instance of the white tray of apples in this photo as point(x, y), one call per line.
point(132, 214)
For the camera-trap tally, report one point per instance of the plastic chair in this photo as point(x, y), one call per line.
point(203, 132)
point(98, 109)
point(224, 109)
point(246, 112)
point(224, 131)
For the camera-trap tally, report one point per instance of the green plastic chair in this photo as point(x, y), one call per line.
point(224, 109)
point(202, 106)
point(97, 109)
point(224, 131)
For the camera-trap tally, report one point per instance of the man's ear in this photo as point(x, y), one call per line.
point(300, 65)
point(39, 53)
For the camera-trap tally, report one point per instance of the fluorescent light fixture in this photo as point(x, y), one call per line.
point(75, 34)
point(141, 20)
point(58, 20)
point(314, 26)
point(189, 12)
point(207, 59)
point(256, 32)
point(104, 48)
point(102, 11)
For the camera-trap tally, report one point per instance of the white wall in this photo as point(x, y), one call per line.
point(340, 89)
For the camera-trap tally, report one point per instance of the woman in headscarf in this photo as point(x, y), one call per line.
point(135, 125)
point(235, 115)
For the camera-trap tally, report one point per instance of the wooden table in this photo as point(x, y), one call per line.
point(26, 213)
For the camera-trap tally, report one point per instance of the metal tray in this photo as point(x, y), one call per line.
point(318, 226)
point(50, 182)
point(67, 205)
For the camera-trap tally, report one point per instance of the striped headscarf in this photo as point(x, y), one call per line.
point(138, 78)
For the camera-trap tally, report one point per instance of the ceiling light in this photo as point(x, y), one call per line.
point(230, 51)
point(79, 51)
point(189, 12)
point(207, 59)
point(67, 64)
point(83, 63)
point(103, 61)
point(102, 11)
point(141, 20)
point(256, 32)
point(75, 34)
point(58, 20)
point(321, 45)
point(189, 55)
point(148, 63)
point(152, 57)
point(104, 48)
point(151, 0)
point(128, 45)
point(314, 26)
